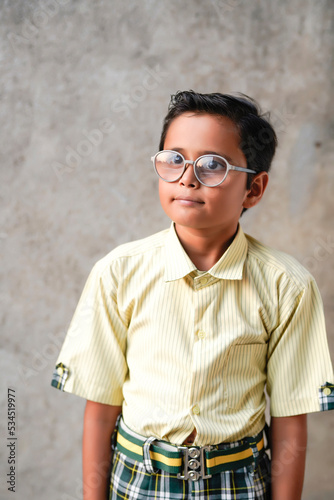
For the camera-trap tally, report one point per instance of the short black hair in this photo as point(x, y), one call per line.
point(258, 139)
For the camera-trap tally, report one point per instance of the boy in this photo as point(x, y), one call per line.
point(181, 331)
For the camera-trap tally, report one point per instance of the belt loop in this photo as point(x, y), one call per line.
point(147, 457)
point(256, 454)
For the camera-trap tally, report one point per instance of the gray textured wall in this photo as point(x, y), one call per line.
point(106, 69)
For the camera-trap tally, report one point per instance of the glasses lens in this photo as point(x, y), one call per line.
point(169, 165)
point(211, 170)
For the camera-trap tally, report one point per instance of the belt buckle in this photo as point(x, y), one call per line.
point(194, 463)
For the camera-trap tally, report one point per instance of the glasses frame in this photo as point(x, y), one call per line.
point(193, 163)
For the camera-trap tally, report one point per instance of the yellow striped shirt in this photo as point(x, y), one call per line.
point(182, 349)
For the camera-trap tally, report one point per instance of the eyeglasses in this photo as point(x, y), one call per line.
point(210, 170)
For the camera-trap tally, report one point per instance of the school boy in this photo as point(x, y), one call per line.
point(180, 332)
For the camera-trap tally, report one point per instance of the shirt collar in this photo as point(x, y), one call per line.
point(230, 265)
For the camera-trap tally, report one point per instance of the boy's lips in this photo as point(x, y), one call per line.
point(188, 199)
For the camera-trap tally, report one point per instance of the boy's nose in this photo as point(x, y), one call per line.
point(189, 178)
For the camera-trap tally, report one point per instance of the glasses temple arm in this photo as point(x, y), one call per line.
point(242, 169)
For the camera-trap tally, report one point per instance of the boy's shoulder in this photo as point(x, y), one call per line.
point(136, 248)
point(278, 261)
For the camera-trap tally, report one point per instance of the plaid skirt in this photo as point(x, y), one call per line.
point(130, 481)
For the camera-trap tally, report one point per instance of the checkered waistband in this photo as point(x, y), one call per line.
point(189, 462)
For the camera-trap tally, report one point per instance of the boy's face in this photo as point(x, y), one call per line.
point(187, 202)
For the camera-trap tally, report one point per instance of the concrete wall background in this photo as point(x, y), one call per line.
point(70, 67)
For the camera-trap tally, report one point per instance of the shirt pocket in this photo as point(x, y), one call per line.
point(244, 376)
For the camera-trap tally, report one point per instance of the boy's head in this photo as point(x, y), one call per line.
point(258, 140)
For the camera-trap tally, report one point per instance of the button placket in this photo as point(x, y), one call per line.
point(201, 300)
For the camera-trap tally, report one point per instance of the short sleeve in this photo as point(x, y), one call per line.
point(299, 370)
point(92, 362)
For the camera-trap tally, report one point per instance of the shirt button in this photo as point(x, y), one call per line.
point(327, 391)
point(203, 281)
point(196, 410)
point(201, 334)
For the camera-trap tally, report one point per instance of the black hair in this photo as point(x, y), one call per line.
point(258, 139)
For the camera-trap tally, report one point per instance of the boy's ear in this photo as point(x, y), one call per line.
point(258, 187)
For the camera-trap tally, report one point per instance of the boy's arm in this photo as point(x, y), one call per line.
point(288, 453)
point(99, 424)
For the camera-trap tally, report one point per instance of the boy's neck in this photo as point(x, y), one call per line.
point(204, 248)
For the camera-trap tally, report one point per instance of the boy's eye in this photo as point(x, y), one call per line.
point(213, 164)
point(176, 159)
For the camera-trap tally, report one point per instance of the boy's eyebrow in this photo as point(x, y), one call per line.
point(228, 158)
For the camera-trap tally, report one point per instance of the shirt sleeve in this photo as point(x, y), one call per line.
point(299, 370)
point(92, 360)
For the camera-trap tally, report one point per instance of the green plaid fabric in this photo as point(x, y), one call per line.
point(59, 376)
point(131, 481)
point(326, 397)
